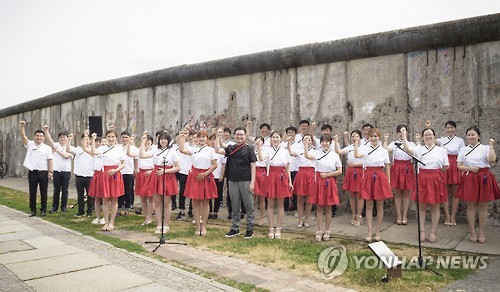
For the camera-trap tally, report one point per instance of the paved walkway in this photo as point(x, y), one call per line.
point(36, 255)
point(450, 238)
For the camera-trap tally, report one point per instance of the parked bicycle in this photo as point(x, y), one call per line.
point(4, 168)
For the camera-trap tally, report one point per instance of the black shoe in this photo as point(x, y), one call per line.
point(181, 216)
point(79, 214)
point(215, 216)
point(42, 213)
point(138, 211)
point(229, 216)
point(210, 216)
point(248, 234)
point(232, 233)
point(52, 211)
point(174, 207)
point(63, 210)
point(190, 214)
point(32, 214)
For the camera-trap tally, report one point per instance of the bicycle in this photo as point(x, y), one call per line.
point(4, 168)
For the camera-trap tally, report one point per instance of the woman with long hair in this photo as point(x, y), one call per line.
point(279, 182)
point(452, 144)
point(376, 179)
point(303, 185)
point(353, 177)
point(402, 175)
point(328, 168)
point(109, 184)
point(200, 185)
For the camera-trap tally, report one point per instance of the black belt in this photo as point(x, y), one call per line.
point(38, 170)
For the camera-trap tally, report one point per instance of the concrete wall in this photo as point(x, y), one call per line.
point(383, 82)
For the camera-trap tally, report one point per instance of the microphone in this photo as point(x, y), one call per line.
point(398, 143)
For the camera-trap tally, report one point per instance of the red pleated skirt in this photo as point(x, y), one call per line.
point(326, 193)
point(200, 189)
point(452, 176)
point(402, 175)
point(478, 187)
point(375, 184)
point(169, 180)
point(303, 184)
point(105, 186)
point(260, 186)
point(431, 187)
point(353, 179)
point(143, 185)
point(278, 182)
point(93, 188)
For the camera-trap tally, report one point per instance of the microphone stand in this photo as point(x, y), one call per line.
point(416, 161)
point(162, 237)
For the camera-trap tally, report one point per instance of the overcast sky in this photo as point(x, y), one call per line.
point(48, 46)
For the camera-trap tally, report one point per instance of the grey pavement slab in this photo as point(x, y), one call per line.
point(13, 245)
point(11, 228)
point(44, 267)
point(103, 278)
point(43, 241)
point(7, 221)
point(20, 235)
point(36, 254)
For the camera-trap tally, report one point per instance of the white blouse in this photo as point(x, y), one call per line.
point(144, 163)
point(202, 157)
point(168, 154)
point(350, 154)
point(374, 156)
point(451, 144)
point(328, 161)
point(398, 154)
point(277, 157)
point(259, 163)
point(303, 161)
point(433, 158)
point(474, 156)
point(111, 155)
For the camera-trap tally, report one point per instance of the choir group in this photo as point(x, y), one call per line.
point(271, 171)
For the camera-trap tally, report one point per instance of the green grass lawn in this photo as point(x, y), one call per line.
point(295, 253)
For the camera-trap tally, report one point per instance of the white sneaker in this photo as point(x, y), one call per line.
point(95, 221)
point(296, 215)
point(102, 221)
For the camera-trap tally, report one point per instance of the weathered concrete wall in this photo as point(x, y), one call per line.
point(440, 72)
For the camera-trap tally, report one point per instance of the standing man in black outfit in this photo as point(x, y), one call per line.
point(240, 172)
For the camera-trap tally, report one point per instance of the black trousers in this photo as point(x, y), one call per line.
point(126, 200)
point(38, 178)
point(61, 186)
point(82, 186)
point(214, 207)
point(291, 206)
point(182, 186)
